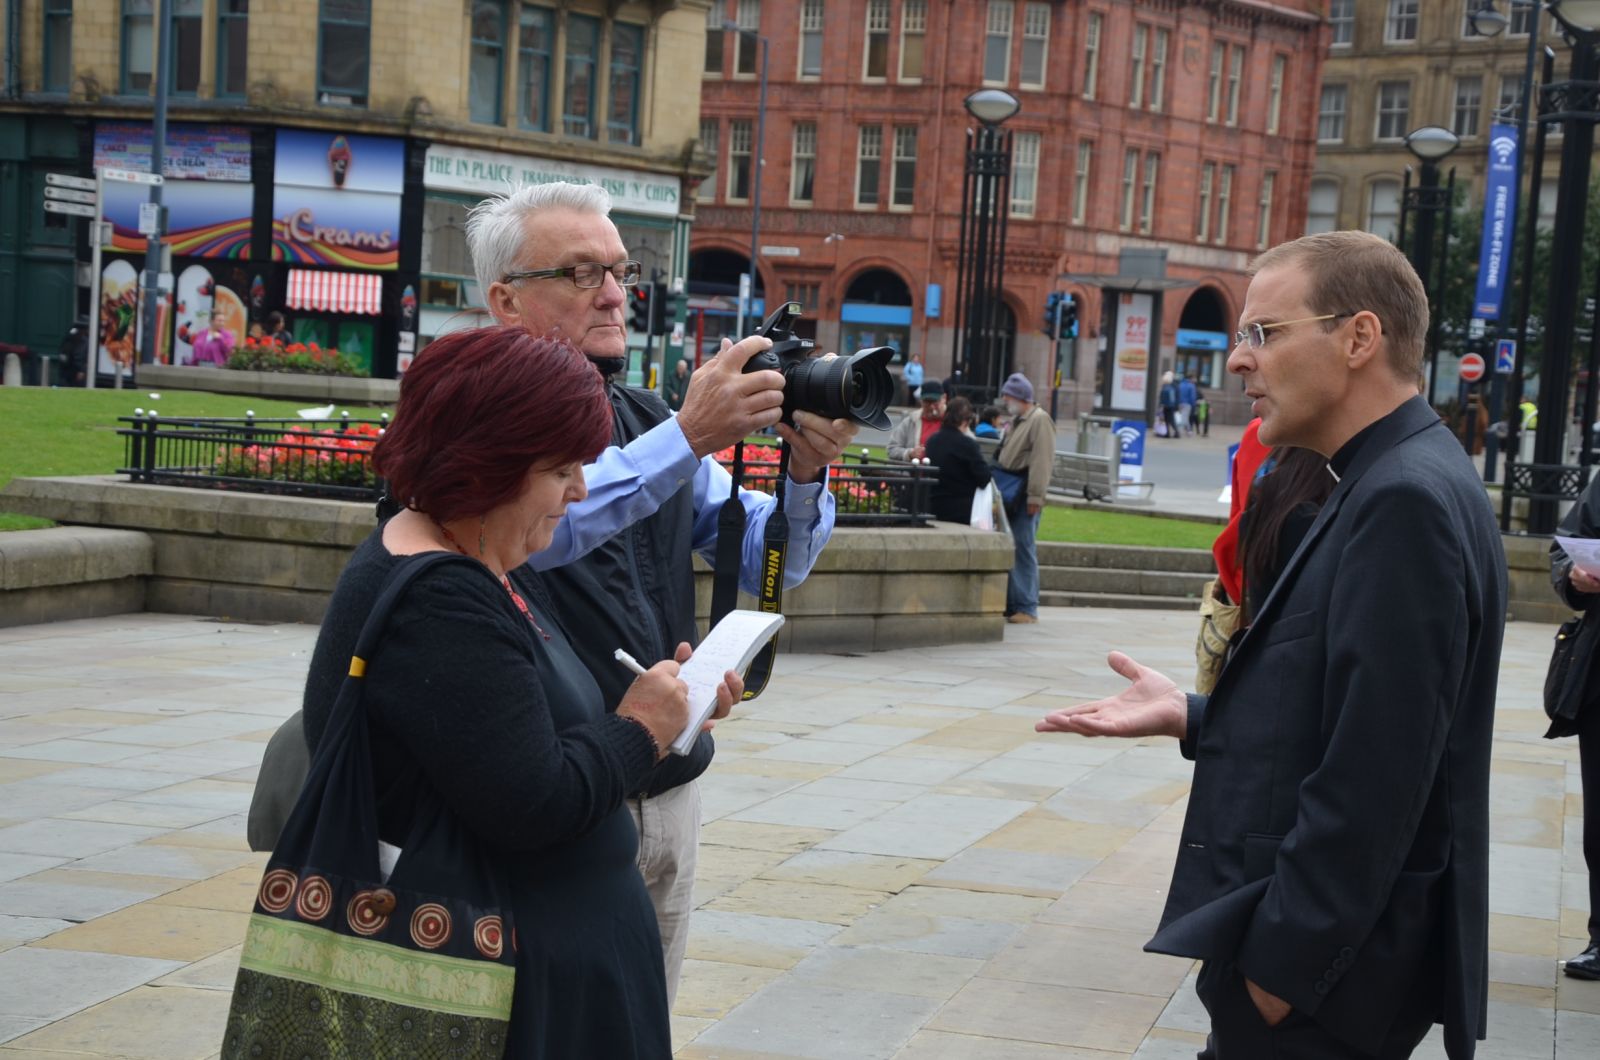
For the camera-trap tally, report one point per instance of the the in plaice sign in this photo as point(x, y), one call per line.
point(464, 169)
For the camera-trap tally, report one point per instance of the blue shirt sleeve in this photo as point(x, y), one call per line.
point(809, 509)
point(625, 485)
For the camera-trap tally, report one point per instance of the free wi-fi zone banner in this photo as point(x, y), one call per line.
point(336, 199)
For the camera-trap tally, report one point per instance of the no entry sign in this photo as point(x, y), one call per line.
point(1472, 367)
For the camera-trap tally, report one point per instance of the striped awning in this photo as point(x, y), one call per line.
point(336, 292)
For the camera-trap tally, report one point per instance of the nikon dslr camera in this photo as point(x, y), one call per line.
point(858, 387)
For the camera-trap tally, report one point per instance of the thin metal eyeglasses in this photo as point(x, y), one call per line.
point(1255, 335)
point(586, 274)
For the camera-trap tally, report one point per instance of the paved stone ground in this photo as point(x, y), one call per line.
point(894, 864)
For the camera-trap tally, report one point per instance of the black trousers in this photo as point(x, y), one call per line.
point(1589, 769)
point(1239, 1033)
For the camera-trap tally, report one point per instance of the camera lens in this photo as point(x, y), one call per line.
point(858, 387)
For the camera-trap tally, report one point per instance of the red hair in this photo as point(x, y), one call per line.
point(480, 408)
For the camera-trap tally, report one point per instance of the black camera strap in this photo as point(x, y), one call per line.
point(730, 560)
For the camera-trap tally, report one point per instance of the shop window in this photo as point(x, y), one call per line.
point(997, 42)
point(187, 17)
point(535, 37)
point(913, 38)
point(811, 38)
point(138, 45)
point(486, 72)
point(444, 239)
point(627, 61)
point(875, 61)
point(869, 164)
point(714, 39)
point(803, 166)
point(58, 47)
point(233, 37)
point(344, 52)
point(583, 53)
point(738, 161)
point(1024, 174)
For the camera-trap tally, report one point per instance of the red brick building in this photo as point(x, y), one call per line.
point(1188, 125)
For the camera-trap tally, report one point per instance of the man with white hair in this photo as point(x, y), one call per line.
point(548, 258)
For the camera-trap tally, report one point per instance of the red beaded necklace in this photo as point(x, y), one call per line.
point(516, 598)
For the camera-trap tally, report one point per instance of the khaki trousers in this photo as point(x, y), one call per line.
point(669, 845)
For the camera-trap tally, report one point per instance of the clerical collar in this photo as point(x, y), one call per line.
point(1341, 461)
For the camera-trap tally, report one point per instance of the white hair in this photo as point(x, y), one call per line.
point(496, 231)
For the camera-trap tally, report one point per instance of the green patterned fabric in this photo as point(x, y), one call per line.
point(282, 1018)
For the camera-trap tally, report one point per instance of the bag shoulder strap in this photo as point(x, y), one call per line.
point(406, 571)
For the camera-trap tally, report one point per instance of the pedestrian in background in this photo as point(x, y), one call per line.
point(988, 422)
point(1333, 868)
point(278, 329)
point(1188, 394)
point(1167, 398)
point(213, 345)
point(1580, 712)
point(910, 436)
point(678, 384)
point(912, 376)
point(962, 469)
point(1029, 449)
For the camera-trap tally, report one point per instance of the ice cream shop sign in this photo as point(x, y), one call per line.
point(336, 199)
point(461, 169)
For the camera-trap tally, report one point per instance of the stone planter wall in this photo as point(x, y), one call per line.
point(72, 572)
point(288, 386)
point(262, 558)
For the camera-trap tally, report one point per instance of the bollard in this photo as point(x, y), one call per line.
point(150, 445)
point(136, 444)
point(13, 371)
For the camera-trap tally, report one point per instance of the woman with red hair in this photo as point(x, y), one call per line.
point(475, 692)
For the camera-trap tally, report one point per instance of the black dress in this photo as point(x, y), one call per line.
point(502, 720)
point(962, 472)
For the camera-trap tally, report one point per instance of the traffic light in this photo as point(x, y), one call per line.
point(639, 299)
point(659, 302)
point(1069, 316)
point(1052, 315)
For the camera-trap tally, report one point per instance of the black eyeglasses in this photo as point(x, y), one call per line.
point(585, 274)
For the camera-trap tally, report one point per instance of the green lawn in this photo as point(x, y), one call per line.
point(1095, 527)
point(73, 432)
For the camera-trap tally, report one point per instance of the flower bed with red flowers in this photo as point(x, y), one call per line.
point(856, 487)
point(330, 457)
point(265, 355)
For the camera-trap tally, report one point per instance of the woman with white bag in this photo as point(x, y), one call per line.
point(962, 469)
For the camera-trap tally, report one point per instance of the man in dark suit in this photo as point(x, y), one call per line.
point(1333, 868)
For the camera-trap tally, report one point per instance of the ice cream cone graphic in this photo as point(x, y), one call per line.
point(339, 158)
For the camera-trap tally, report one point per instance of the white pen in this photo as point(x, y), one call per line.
point(629, 661)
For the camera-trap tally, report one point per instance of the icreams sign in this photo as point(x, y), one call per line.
point(336, 199)
point(493, 173)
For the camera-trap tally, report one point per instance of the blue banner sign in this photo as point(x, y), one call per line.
point(1499, 214)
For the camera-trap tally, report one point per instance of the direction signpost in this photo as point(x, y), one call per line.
point(77, 209)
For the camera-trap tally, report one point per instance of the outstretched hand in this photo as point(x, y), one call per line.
point(1151, 705)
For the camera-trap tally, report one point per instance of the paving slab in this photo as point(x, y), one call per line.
point(893, 863)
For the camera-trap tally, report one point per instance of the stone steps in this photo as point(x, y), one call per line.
point(1077, 575)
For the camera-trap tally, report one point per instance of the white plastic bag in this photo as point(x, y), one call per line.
point(983, 507)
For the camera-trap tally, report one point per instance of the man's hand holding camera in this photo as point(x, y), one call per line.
point(724, 403)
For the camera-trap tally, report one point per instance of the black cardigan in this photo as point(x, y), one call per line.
point(962, 472)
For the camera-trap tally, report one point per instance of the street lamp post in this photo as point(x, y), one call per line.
point(1488, 22)
point(980, 261)
point(1430, 144)
point(746, 323)
point(1576, 104)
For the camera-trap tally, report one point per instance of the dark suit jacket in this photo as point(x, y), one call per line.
point(1337, 840)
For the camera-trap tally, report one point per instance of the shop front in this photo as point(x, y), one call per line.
point(645, 209)
point(1203, 356)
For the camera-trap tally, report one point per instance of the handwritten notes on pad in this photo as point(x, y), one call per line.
point(729, 646)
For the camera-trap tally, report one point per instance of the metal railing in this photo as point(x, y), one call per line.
point(305, 458)
point(333, 459)
point(866, 491)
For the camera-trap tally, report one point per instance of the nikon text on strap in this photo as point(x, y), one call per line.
point(774, 557)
